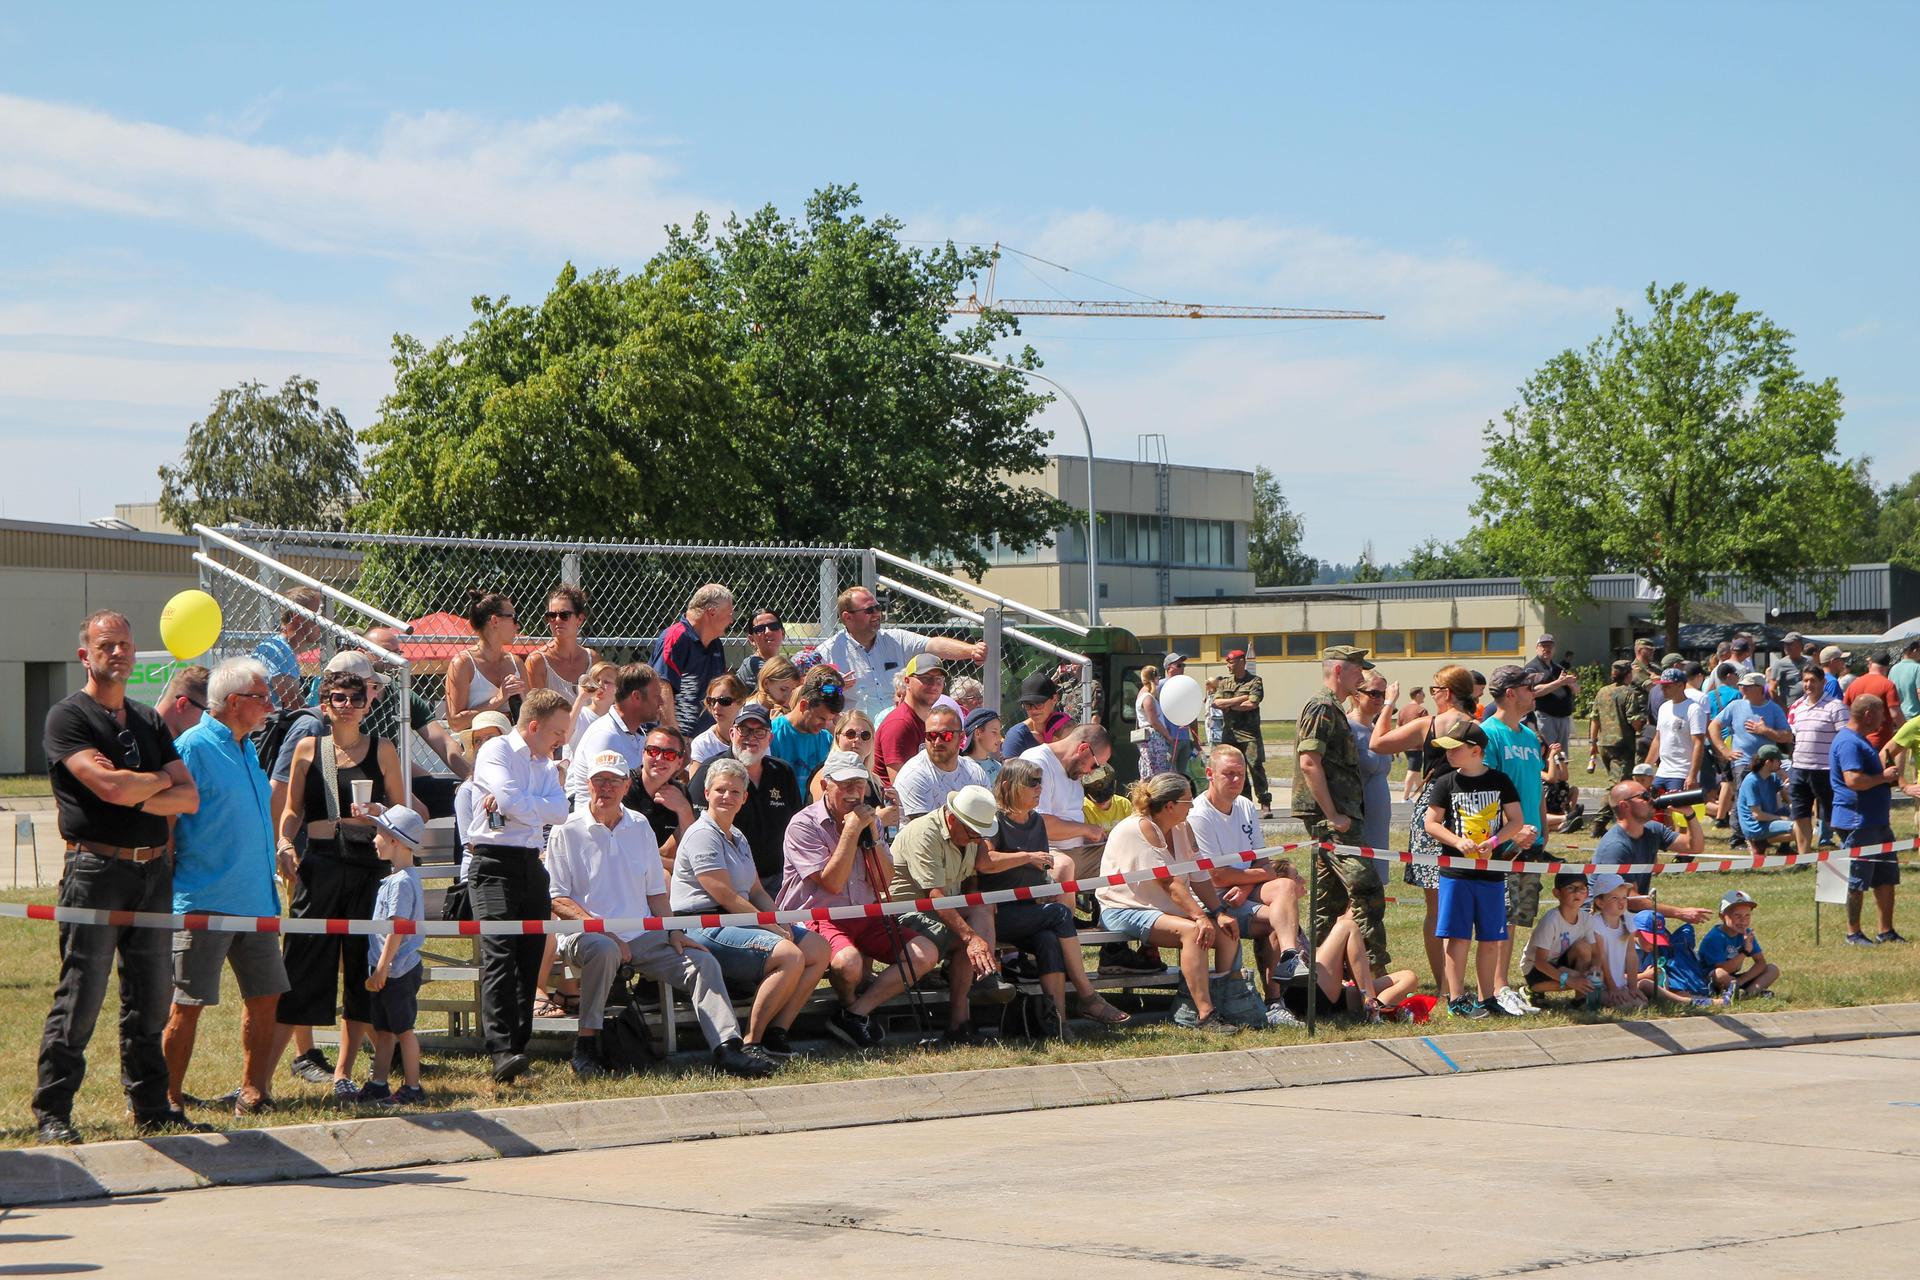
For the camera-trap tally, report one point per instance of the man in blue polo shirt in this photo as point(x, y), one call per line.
point(1749, 724)
point(689, 655)
point(1862, 816)
point(224, 865)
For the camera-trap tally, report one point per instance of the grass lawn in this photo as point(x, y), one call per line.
point(25, 784)
point(1833, 975)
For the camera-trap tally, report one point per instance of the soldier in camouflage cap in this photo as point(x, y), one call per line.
point(1328, 791)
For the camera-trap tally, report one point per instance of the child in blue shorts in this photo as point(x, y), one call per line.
point(1731, 951)
point(393, 962)
point(1472, 812)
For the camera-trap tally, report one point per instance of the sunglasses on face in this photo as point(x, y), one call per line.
point(868, 609)
point(1373, 693)
point(661, 753)
point(761, 628)
point(560, 615)
point(858, 735)
point(942, 735)
point(720, 702)
point(343, 699)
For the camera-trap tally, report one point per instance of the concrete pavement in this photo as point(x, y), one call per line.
point(1765, 1162)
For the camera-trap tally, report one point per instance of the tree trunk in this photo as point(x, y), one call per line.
point(1670, 604)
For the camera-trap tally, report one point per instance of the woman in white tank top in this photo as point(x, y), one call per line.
point(486, 677)
point(561, 662)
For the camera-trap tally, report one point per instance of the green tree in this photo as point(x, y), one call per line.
point(1365, 569)
point(1467, 558)
point(1273, 539)
point(273, 458)
point(1677, 446)
point(1895, 526)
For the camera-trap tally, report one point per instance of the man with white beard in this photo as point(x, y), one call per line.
point(774, 794)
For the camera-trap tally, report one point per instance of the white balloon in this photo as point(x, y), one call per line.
point(1180, 699)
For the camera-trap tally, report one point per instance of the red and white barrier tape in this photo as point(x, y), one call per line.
point(877, 910)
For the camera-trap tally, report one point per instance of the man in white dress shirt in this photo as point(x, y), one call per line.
point(505, 880)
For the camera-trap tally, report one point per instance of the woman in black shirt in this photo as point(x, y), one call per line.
point(1043, 929)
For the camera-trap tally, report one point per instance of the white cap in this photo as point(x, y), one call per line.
point(844, 766)
point(1604, 883)
point(356, 663)
point(610, 762)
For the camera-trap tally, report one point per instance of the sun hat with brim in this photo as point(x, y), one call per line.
point(973, 805)
point(403, 824)
point(495, 720)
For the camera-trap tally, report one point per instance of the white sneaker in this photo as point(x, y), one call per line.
point(1278, 1015)
point(1290, 965)
point(1526, 1001)
point(1508, 1001)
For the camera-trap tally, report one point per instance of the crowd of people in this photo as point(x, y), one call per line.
point(852, 772)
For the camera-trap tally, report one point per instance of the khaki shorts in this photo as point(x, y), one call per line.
point(1523, 896)
point(257, 965)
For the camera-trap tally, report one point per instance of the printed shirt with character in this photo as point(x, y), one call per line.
point(1720, 946)
point(1323, 729)
point(1475, 809)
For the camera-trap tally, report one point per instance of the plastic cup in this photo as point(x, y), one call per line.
point(362, 792)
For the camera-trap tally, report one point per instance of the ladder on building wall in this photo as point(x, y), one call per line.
point(1153, 448)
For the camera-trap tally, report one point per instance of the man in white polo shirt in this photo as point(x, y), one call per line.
point(870, 655)
point(603, 863)
point(1262, 896)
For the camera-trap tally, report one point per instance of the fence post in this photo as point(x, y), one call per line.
point(869, 572)
point(990, 665)
point(829, 592)
point(1087, 707)
point(570, 568)
point(406, 733)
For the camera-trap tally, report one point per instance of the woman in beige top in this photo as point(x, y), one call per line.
point(1178, 912)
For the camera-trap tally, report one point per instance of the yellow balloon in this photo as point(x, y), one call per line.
point(190, 624)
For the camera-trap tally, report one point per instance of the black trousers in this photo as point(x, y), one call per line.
point(508, 884)
point(1042, 929)
point(86, 962)
point(326, 888)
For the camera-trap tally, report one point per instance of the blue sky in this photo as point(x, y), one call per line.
point(186, 202)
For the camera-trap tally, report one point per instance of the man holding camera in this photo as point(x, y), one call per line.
point(1637, 836)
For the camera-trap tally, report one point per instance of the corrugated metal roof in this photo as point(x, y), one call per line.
point(88, 548)
point(1862, 588)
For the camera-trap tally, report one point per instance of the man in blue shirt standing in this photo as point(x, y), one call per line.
point(1743, 727)
point(1862, 816)
point(224, 865)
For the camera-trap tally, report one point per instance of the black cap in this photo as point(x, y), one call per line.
point(1467, 735)
point(1037, 688)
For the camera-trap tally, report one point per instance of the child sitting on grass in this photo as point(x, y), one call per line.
point(1563, 953)
point(1621, 984)
point(1731, 952)
point(1668, 962)
point(394, 970)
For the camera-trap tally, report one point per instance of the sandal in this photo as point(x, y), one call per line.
point(1103, 1013)
point(545, 1006)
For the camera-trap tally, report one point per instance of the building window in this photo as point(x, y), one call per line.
point(1227, 644)
point(1429, 642)
point(1131, 538)
point(1503, 640)
point(1389, 642)
point(1302, 644)
point(1466, 642)
point(1328, 639)
point(1268, 646)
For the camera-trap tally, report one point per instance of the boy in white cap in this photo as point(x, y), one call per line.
point(393, 962)
point(1731, 951)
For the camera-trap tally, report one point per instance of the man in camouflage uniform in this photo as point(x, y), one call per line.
point(1328, 800)
point(1238, 696)
point(1613, 734)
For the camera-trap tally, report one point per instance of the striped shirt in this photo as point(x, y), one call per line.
point(1813, 729)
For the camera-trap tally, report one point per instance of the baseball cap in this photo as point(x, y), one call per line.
point(1546, 637)
point(1768, 752)
point(1620, 667)
point(496, 720)
point(1736, 898)
point(1345, 653)
point(1467, 735)
point(1172, 658)
point(753, 711)
point(973, 804)
point(978, 718)
point(1793, 637)
point(1603, 883)
point(610, 762)
point(1741, 644)
point(1649, 930)
point(1674, 675)
point(1511, 677)
point(1672, 659)
point(1231, 654)
point(1884, 658)
point(1752, 678)
point(403, 824)
point(356, 663)
point(1037, 688)
point(922, 664)
point(1643, 770)
point(1833, 651)
point(1644, 642)
point(1913, 642)
point(844, 766)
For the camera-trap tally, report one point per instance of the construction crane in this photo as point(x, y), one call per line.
point(1147, 308)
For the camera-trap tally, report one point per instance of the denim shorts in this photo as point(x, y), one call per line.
point(742, 951)
point(1135, 922)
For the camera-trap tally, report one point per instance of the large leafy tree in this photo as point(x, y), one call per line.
point(1679, 445)
point(1894, 531)
point(274, 458)
point(1273, 541)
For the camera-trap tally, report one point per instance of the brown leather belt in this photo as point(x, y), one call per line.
point(138, 853)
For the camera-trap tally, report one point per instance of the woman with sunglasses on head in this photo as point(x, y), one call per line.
point(853, 731)
point(561, 662)
point(486, 677)
point(1452, 691)
point(778, 679)
point(724, 697)
point(338, 876)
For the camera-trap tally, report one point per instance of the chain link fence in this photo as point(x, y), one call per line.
point(421, 583)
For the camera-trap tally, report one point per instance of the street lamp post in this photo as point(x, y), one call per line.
point(1093, 554)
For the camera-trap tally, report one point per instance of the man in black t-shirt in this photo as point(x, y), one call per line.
point(1553, 696)
point(116, 780)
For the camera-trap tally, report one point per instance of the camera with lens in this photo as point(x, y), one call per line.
point(1677, 799)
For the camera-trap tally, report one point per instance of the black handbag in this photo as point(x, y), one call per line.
point(626, 1042)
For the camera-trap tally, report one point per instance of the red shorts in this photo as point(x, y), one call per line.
point(872, 935)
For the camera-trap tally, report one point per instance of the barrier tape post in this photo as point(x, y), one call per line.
point(1313, 943)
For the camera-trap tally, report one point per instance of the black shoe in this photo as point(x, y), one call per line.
point(55, 1131)
point(242, 1108)
point(1021, 968)
point(586, 1064)
point(508, 1067)
point(851, 1029)
point(312, 1067)
point(1575, 820)
point(734, 1058)
point(962, 1036)
point(165, 1122)
point(992, 989)
point(777, 1044)
point(346, 1091)
point(1118, 957)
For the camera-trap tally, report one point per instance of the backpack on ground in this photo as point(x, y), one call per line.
point(626, 1042)
point(273, 734)
point(1031, 1017)
point(1234, 999)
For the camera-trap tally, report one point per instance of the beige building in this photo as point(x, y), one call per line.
point(51, 577)
point(1165, 533)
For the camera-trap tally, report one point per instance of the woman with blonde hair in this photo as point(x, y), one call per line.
point(724, 697)
point(853, 731)
point(778, 679)
point(1175, 912)
point(1452, 691)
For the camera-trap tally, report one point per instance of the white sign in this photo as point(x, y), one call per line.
point(152, 668)
point(1830, 880)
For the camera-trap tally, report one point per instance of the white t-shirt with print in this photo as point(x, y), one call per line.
point(1221, 835)
point(1554, 935)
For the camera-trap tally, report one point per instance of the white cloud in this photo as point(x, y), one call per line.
point(439, 183)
